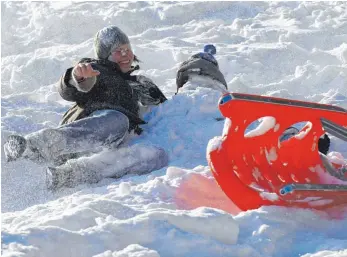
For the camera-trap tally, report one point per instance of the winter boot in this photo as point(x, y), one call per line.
point(17, 147)
point(42, 146)
point(14, 147)
point(69, 175)
point(57, 178)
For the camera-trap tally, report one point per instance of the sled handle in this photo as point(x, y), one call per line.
point(334, 129)
point(283, 101)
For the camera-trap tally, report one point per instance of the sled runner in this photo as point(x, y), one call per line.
point(256, 168)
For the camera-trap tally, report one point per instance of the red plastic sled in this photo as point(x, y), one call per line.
point(256, 169)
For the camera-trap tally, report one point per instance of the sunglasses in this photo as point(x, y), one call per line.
point(121, 51)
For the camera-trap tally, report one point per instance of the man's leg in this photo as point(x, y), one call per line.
point(108, 127)
point(136, 160)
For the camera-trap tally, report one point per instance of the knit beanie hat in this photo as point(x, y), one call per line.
point(108, 39)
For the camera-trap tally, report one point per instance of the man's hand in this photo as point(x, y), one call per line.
point(83, 71)
point(84, 77)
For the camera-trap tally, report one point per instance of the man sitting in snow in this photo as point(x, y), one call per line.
point(108, 105)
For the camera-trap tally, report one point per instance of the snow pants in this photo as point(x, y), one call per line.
point(102, 134)
point(91, 134)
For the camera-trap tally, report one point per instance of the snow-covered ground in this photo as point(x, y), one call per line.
point(296, 50)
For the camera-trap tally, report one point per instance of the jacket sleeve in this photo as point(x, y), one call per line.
point(147, 92)
point(68, 91)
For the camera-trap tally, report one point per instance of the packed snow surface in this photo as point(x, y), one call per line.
point(296, 50)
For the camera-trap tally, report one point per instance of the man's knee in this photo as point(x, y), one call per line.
point(113, 119)
point(122, 122)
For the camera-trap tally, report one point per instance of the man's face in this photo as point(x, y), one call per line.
point(123, 56)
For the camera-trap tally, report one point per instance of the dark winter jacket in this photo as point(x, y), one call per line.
point(112, 90)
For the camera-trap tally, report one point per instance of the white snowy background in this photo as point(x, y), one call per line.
point(296, 50)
